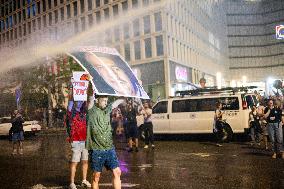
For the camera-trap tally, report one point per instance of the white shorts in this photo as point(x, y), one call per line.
point(79, 151)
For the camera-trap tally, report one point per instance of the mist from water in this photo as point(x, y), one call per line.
point(36, 50)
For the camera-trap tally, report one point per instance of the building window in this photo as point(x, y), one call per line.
point(98, 3)
point(127, 51)
point(34, 25)
point(16, 33)
point(90, 19)
point(20, 31)
point(75, 8)
point(62, 13)
point(76, 26)
point(116, 32)
point(50, 18)
point(61, 1)
point(159, 45)
point(39, 23)
point(24, 14)
point(38, 7)
point(49, 4)
point(29, 28)
point(106, 2)
point(68, 11)
point(158, 21)
point(98, 17)
point(137, 50)
point(83, 23)
point(82, 5)
point(145, 2)
point(25, 29)
point(43, 6)
point(56, 16)
point(115, 10)
point(134, 3)
point(90, 5)
point(148, 48)
point(136, 27)
point(20, 17)
point(124, 6)
point(126, 31)
point(55, 3)
point(147, 25)
point(106, 13)
point(44, 21)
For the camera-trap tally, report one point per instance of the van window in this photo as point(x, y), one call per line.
point(206, 104)
point(160, 107)
point(250, 101)
point(230, 103)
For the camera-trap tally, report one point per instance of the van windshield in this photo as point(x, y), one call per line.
point(160, 107)
point(251, 100)
point(206, 104)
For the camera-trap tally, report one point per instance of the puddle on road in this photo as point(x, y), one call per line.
point(204, 155)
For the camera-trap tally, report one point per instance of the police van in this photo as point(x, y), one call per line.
point(194, 113)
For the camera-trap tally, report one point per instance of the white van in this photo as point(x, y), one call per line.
point(195, 114)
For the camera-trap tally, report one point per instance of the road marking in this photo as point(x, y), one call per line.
point(203, 155)
point(125, 185)
point(145, 166)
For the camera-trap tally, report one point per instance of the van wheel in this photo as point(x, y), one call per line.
point(227, 133)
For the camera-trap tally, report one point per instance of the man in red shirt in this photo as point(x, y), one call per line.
point(77, 131)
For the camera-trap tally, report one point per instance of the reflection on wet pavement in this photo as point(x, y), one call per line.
point(173, 164)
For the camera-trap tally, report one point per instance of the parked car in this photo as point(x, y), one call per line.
point(29, 126)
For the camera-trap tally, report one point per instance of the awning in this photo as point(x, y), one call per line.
point(110, 74)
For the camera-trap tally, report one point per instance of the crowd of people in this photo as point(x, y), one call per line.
point(266, 122)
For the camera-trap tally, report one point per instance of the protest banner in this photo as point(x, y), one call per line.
point(80, 86)
point(110, 74)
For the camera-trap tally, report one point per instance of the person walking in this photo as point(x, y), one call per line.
point(273, 114)
point(148, 126)
point(132, 127)
point(77, 131)
point(99, 140)
point(17, 133)
point(218, 125)
point(254, 123)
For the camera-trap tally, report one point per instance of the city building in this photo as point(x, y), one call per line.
point(254, 52)
point(169, 44)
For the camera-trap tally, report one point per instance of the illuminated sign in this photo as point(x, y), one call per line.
point(181, 73)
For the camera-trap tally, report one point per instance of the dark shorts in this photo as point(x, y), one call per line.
point(103, 158)
point(132, 130)
point(19, 136)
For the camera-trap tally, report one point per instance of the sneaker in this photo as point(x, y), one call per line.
point(146, 146)
point(136, 149)
point(21, 152)
point(72, 186)
point(14, 152)
point(274, 156)
point(86, 183)
point(219, 145)
point(153, 146)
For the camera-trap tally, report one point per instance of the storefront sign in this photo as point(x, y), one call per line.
point(181, 73)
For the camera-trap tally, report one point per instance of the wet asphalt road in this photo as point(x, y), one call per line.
point(172, 165)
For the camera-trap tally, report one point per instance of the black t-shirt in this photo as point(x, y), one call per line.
point(131, 116)
point(17, 124)
point(275, 115)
